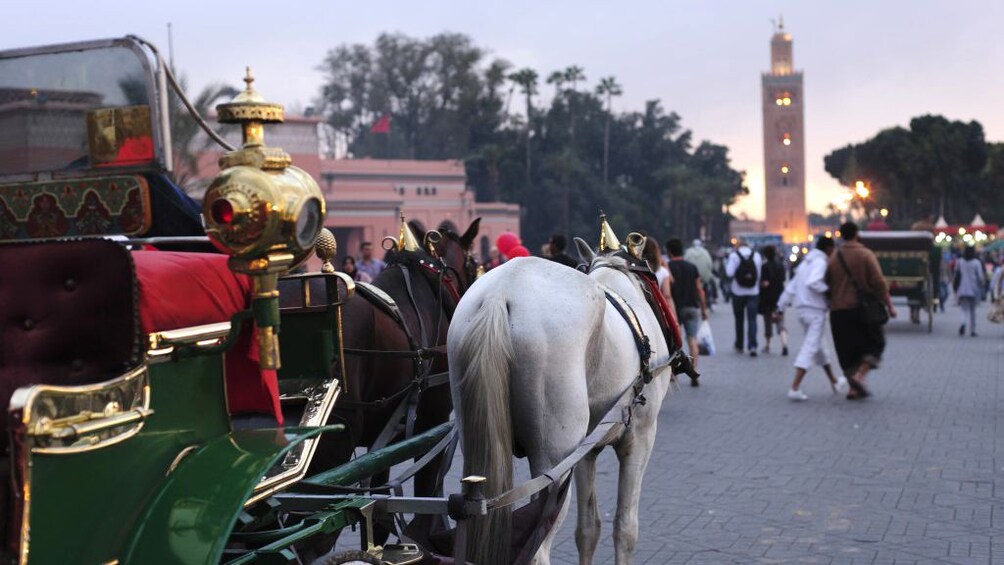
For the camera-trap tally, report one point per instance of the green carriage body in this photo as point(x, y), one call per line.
point(139, 464)
point(165, 479)
point(910, 263)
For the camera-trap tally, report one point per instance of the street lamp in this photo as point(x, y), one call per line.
point(884, 212)
point(861, 190)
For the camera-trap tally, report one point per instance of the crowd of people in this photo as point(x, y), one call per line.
point(840, 282)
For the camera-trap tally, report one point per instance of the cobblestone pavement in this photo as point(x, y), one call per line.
point(740, 474)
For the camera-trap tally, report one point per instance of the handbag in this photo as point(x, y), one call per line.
point(996, 314)
point(705, 339)
point(872, 308)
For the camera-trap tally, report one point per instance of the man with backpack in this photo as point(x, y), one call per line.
point(743, 267)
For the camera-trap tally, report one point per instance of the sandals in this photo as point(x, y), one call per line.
point(858, 390)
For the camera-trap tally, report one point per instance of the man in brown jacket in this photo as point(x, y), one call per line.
point(859, 344)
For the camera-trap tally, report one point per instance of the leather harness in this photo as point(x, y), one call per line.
point(678, 361)
point(420, 351)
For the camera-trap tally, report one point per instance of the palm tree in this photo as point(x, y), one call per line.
point(573, 74)
point(526, 78)
point(557, 78)
point(187, 138)
point(608, 88)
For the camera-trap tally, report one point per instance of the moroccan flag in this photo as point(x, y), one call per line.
point(382, 125)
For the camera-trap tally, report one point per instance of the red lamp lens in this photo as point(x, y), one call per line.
point(222, 211)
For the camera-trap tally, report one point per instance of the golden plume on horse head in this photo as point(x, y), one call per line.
point(609, 242)
point(406, 240)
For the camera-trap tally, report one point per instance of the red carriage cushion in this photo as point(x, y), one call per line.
point(179, 290)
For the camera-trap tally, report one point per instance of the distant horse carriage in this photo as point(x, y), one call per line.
point(911, 264)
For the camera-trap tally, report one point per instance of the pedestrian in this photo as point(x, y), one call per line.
point(698, 256)
point(367, 263)
point(556, 246)
point(350, 269)
point(807, 293)
point(494, 259)
point(853, 275)
point(724, 283)
point(743, 267)
point(772, 277)
point(969, 284)
point(688, 295)
point(652, 255)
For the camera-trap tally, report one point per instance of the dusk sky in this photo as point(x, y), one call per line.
point(868, 64)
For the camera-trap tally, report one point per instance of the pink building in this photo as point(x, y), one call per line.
point(365, 197)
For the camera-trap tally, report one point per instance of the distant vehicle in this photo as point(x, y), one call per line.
point(911, 263)
point(760, 240)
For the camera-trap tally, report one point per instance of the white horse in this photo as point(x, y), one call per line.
point(538, 356)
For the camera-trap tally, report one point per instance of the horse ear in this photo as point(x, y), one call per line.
point(417, 228)
point(472, 232)
point(585, 252)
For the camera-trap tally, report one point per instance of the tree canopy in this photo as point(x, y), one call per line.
point(562, 157)
point(935, 166)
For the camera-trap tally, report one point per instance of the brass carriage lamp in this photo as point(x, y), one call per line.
point(262, 211)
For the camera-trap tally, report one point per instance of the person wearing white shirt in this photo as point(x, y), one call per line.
point(807, 292)
point(743, 267)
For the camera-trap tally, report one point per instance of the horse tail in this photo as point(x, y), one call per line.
point(483, 358)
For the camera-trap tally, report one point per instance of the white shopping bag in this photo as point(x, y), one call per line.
point(705, 341)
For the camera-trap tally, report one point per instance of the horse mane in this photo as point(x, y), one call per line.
point(619, 263)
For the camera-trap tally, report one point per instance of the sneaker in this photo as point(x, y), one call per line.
point(794, 394)
point(752, 352)
point(784, 351)
point(841, 386)
point(962, 329)
point(766, 349)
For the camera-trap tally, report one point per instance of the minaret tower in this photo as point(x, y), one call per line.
point(784, 141)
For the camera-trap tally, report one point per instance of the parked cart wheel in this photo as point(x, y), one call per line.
point(930, 298)
point(352, 557)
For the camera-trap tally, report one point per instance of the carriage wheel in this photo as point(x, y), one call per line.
point(348, 557)
point(930, 304)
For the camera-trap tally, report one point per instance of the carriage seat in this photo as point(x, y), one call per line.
point(67, 315)
point(183, 289)
point(77, 312)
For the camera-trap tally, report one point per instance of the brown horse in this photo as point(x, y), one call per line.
point(426, 288)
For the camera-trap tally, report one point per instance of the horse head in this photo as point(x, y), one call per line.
point(455, 250)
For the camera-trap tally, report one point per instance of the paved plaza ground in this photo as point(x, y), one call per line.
point(740, 474)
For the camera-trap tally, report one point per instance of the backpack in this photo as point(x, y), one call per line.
point(746, 275)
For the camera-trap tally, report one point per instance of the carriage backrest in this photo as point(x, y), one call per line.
point(67, 314)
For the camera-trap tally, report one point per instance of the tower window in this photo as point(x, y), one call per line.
point(784, 169)
point(786, 139)
point(782, 99)
point(784, 181)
